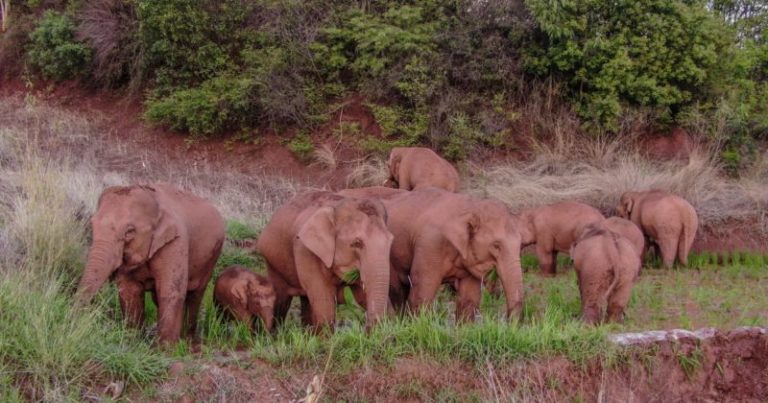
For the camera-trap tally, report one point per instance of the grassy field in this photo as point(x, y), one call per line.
point(51, 351)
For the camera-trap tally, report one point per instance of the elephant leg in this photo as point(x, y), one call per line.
point(547, 256)
point(359, 294)
point(170, 270)
point(193, 301)
point(426, 278)
point(398, 292)
point(618, 301)
point(668, 247)
point(317, 284)
point(589, 290)
point(131, 295)
point(468, 300)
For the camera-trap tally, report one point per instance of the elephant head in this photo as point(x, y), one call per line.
point(626, 205)
point(485, 236)
point(257, 296)
point(129, 227)
point(352, 234)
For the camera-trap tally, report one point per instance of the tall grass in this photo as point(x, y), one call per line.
point(49, 350)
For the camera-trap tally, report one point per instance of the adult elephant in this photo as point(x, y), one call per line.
point(668, 221)
point(625, 228)
point(448, 238)
point(154, 238)
point(313, 241)
point(554, 228)
point(418, 167)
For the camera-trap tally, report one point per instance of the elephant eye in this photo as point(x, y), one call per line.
point(357, 244)
point(497, 245)
point(130, 233)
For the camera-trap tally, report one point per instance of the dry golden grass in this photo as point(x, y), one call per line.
point(368, 172)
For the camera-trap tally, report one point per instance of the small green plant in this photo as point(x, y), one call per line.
point(238, 231)
point(301, 145)
point(690, 362)
point(53, 50)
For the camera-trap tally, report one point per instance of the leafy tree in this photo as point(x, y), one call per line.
point(53, 49)
point(627, 52)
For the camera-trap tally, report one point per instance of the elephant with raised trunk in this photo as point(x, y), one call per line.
point(313, 241)
point(154, 238)
point(418, 167)
point(448, 238)
point(668, 221)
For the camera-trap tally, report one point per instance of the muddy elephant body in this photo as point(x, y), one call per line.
point(159, 239)
point(245, 295)
point(554, 228)
point(627, 229)
point(418, 167)
point(606, 265)
point(448, 238)
point(313, 241)
point(668, 222)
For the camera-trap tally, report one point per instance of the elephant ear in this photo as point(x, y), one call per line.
point(318, 235)
point(629, 203)
point(165, 232)
point(459, 232)
point(394, 163)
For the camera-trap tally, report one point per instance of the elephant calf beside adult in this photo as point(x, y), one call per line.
point(313, 241)
point(154, 238)
point(668, 221)
point(449, 238)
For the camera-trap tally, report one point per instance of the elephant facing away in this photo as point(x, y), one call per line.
point(449, 238)
point(625, 228)
point(154, 238)
point(418, 167)
point(313, 241)
point(668, 221)
point(554, 227)
point(245, 295)
point(607, 265)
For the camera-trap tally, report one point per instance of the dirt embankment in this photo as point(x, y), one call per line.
point(722, 366)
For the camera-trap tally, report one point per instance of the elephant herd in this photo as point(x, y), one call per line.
point(394, 246)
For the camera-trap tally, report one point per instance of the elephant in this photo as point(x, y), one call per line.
point(668, 221)
point(154, 238)
point(554, 227)
point(606, 265)
point(317, 238)
point(244, 295)
point(625, 228)
point(418, 167)
point(449, 238)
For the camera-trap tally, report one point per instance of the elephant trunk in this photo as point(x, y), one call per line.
point(375, 278)
point(103, 259)
point(511, 274)
point(268, 318)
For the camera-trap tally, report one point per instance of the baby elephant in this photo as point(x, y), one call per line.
point(242, 294)
point(607, 265)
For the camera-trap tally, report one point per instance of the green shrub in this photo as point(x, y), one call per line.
point(301, 145)
point(219, 104)
point(53, 50)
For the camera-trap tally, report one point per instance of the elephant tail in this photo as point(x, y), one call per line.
point(615, 260)
point(686, 240)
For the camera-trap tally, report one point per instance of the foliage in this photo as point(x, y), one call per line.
point(646, 53)
point(301, 145)
point(220, 103)
point(53, 49)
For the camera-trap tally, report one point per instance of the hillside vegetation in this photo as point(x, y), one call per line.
point(455, 74)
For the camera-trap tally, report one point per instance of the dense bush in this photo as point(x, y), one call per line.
point(53, 49)
point(219, 103)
